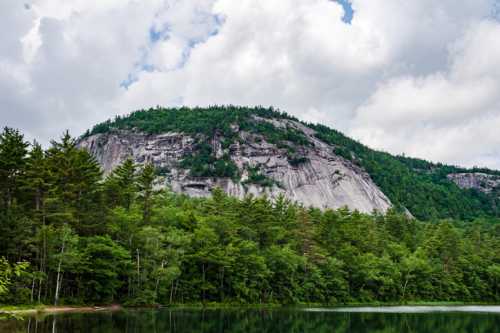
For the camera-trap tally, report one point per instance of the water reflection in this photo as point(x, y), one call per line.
point(278, 320)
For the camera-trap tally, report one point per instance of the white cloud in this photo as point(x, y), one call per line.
point(451, 115)
point(73, 57)
point(418, 77)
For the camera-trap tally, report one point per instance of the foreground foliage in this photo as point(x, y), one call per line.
point(90, 239)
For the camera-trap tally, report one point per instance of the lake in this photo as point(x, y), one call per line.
point(400, 319)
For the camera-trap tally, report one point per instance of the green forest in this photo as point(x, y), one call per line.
point(69, 235)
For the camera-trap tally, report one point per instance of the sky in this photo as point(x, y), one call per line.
point(413, 77)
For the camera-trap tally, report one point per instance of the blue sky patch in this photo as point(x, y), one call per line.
point(156, 35)
point(128, 81)
point(348, 11)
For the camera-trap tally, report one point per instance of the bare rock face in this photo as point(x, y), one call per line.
point(163, 150)
point(476, 180)
point(321, 179)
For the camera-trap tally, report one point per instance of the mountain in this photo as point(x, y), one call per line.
point(264, 151)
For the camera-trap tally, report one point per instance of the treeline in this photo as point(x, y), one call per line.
point(68, 235)
point(197, 120)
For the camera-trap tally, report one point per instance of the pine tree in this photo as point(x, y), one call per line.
point(74, 177)
point(145, 182)
point(35, 181)
point(35, 184)
point(14, 226)
point(13, 151)
point(121, 185)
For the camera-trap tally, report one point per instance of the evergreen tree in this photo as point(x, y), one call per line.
point(13, 151)
point(15, 226)
point(74, 177)
point(35, 181)
point(121, 185)
point(145, 183)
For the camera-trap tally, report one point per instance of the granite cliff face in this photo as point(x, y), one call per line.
point(482, 182)
point(317, 177)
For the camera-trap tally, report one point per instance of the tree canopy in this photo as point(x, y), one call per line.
point(70, 236)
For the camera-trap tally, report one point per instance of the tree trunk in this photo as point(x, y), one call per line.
point(130, 278)
point(39, 289)
point(138, 269)
point(221, 287)
point(32, 297)
point(203, 286)
point(158, 279)
point(59, 275)
point(44, 253)
point(171, 291)
point(404, 287)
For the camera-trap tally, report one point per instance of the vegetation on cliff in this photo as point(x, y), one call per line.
point(417, 185)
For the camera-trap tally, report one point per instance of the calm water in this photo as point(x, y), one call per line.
point(359, 320)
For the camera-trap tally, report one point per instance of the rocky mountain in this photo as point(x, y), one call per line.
point(479, 181)
point(262, 151)
point(317, 178)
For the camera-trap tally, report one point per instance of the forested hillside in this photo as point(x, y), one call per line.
point(419, 186)
point(70, 236)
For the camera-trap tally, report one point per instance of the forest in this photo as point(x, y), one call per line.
point(69, 235)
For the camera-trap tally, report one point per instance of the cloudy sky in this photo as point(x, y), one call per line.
point(420, 77)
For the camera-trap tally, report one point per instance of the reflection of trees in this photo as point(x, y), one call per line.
point(255, 320)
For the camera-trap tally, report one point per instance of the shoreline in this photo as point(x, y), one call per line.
point(50, 309)
point(47, 310)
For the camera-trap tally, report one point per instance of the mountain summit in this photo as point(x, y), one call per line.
point(263, 151)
